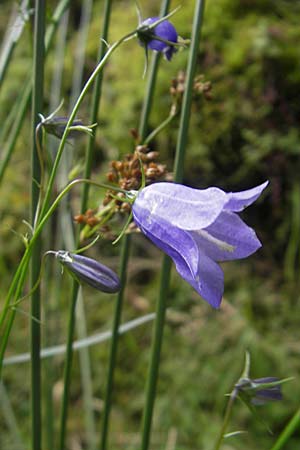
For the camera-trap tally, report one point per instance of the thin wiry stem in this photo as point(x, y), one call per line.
point(37, 106)
point(290, 428)
point(125, 253)
point(166, 265)
point(69, 241)
point(114, 343)
point(225, 420)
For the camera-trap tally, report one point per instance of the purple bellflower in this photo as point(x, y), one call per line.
point(197, 229)
point(90, 271)
point(165, 32)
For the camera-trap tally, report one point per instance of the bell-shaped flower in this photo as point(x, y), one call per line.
point(197, 229)
point(92, 272)
point(159, 38)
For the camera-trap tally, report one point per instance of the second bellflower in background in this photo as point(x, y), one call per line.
point(197, 229)
point(160, 38)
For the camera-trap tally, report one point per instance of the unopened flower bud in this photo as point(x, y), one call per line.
point(260, 390)
point(90, 271)
point(57, 125)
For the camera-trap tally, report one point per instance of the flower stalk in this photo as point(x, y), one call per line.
point(152, 376)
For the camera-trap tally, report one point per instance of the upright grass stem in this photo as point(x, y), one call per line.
point(114, 343)
point(125, 250)
point(84, 200)
point(225, 421)
point(287, 432)
point(152, 377)
point(37, 106)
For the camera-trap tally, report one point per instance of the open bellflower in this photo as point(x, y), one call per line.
point(197, 229)
point(166, 33)
point(90, 271)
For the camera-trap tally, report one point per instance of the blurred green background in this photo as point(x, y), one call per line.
point(246, 133)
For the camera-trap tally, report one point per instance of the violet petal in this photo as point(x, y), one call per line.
point(227, 238)
point(182, 206)
point(237, 201)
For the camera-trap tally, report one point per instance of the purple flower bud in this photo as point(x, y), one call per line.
point(90, 271)
point(259, 391)
point(197, 229)
point(166, 33)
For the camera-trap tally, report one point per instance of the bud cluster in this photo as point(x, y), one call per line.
point(127, 174)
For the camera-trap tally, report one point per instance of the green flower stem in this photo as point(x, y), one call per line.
point(166, 265)
point(96, 104)
point(67, 368)
point(225, 420)
point(84, 200)
point(188, 93)
point(147, 105)
point(155, 352)
point(37, 106)
point(23, 102)
point(114, 343)
point(160, 128)
point(290, 428)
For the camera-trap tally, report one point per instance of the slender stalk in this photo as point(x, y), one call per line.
point(151, 82)
point(290, 428)
point(114, 344)
point(37, 106)
point(160, 128)
point(125, 253)
point(85, 192)
point(152, 377)
point(225, 420)
point(50, 241)
point(69, 241)
point(157, 338)
point(188, 93)
point(67, 369)
point(96, 103)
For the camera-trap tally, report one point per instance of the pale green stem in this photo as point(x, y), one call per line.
point(225, 420)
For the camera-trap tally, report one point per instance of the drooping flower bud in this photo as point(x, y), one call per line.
point(90, 271)
point(260, 390)
point(57, 125)
point(166, 35)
